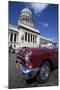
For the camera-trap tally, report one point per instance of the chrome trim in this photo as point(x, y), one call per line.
point(20, 57)
point(26, 70)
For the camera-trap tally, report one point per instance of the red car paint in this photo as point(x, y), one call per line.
point(39, 55)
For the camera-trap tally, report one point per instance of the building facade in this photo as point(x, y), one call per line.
point(25, 35)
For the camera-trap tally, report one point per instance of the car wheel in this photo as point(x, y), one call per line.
point(44, 72)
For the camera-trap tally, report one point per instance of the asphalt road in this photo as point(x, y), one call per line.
point(16, 81)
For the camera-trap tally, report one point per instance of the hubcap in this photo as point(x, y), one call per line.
point(44, 72)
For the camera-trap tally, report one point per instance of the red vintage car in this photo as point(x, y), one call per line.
point(37, 62)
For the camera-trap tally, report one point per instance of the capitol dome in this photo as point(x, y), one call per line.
point(26, 17)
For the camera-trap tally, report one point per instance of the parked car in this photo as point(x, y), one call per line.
point(37, 62)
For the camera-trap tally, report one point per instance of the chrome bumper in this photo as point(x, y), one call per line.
point(26, 70)
point(28, 73)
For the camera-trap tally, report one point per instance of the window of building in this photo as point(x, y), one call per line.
point(15, 38)
point(26, 36)
point(11, 38)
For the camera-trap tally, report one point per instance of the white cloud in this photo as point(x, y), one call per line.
point(44, 24)
point(38, 7)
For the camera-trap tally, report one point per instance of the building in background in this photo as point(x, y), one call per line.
point(45, 42)
point(25, 35)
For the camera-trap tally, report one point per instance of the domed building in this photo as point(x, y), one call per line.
point(25, 35)
point(28, 35)
point(26, 17)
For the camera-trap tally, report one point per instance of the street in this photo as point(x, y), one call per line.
point(15, 80)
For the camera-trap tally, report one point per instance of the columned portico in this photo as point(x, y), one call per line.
point(13, 36)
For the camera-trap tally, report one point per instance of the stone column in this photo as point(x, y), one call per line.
point(9, 35)
point(13, 37)
point(16, 38)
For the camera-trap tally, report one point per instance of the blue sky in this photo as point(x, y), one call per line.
point(45, 17)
